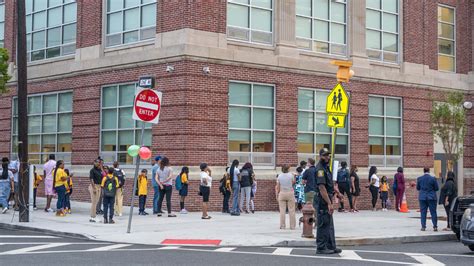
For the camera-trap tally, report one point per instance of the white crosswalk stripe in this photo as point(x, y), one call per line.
point(282, 251)
point(110, 247)
point(424, 259)
point(23, 236)
point(224, 249)
point(350, 255)
point(34, 248)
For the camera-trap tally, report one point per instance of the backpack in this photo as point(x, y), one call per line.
point(178, 183)
point(121, 178)
point(342, 176)
point(109, 187)
point(245, 177)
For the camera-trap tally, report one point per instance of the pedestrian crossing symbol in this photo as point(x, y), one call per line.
point(337, 102)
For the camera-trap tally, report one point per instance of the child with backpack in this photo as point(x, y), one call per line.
point(109, 186)
point(142, 192)
point(225, 189)
point(38, 180)
point(384, 192)
point(182, 186)
point(67, 200)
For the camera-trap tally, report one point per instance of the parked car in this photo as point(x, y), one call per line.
point(467, 227)
point(456, 213)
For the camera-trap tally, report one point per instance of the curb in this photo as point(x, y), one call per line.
point(46, 231)
point(371, 241)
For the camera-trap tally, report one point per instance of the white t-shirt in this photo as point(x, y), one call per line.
point(377, 180)
point(48, 168)
point(164, 174)
point(236, 174)
point(205, 176)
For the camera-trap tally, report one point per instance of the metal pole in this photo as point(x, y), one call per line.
point(333, 147)
point(22, 92)
point(31, 185)
point(135, 181)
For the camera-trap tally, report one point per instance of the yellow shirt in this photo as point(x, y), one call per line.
point(142, 185)
point(384, 187)
point(69, 184)
point(38, 179)
point(60, 174)
point(184, 178)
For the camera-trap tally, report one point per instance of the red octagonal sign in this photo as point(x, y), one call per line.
point(147, 105)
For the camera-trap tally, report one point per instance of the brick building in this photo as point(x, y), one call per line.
point(243, 79)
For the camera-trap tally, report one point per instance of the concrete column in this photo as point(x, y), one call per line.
point(284, 30)
point(460, 176)
point(356, 29)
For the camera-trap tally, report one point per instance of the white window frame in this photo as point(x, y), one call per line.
point(385, 157)
point(2, 38)
point(239, 155)
point(382, 31)
point(66, 156)
point(442, 38)
point(249, 29)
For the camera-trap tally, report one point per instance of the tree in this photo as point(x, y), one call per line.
point(448, 125)
point(4, 77)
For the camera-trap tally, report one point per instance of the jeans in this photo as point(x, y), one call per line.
point(245, 193)
point(167, 190)
point(344, 188)
point(141, 203)
point(4, 193)
point(34, 196)
point(325, 237)
point(61, 190)
point(156, 196)
point(225, 203)
point(67, 201)
point(424, 205)
point(235, 197)
point(108, 203)
point(375, 192)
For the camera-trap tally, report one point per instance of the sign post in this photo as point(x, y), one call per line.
point(146, 108)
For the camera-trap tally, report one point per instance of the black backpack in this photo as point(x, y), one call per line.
point(109, 187)
point(343, 176)
point(121, 178)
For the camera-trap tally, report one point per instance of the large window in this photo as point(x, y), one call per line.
point(321, 26)
point(118, 130)
point(446, 39)
point(385, 131)
point(2, 23)
point(49, 126)
point(130, 21)
point(313, 133)
point(50, 28)
point(251, 123)
point(250, 20)
point(382, 30)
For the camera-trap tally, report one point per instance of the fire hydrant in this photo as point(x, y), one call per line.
point(308, 220)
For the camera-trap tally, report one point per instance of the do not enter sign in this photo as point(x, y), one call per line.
point(147, 105)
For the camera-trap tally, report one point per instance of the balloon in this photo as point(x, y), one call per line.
point(144, 153)
point(133, 150)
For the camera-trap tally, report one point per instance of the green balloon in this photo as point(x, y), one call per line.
point(133, 150)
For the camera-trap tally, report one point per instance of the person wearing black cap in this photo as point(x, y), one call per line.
point(325, 237)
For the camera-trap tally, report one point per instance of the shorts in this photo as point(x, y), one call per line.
point(48, 187)
point(205, 191)
point(16, 187)
point(183, 192)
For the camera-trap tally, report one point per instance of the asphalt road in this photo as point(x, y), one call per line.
point(31, 248)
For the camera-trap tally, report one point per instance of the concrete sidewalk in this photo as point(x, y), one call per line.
point(259, 229)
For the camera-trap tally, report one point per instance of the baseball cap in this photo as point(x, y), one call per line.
point(324, 152)
point(157, 158)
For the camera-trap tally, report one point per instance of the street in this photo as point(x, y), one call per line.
point(28, 248)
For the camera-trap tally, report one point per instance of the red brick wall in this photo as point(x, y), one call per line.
point(10, 28)
point(469, 139)
point(468, 186)
point(89, 23)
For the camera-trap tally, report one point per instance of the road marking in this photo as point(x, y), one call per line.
point(44, 243)
point(224, 249)
point(169, 247)
point(116, 246)
point(22, 236)
point(34, 248)
point(193, 242)
point(397, 252)
point(350, 255)
point(424, 259)
point(282, 251)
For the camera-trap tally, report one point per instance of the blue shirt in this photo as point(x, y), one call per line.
point(427, 187)
point(310, 176)
point(153, 174)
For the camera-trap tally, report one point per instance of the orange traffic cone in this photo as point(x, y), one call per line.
point(404, 206)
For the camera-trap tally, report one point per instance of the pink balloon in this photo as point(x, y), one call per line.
point(144, 153)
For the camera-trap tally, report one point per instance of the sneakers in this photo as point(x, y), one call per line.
point(337, 250)
point(423, 229)
point(106, 221)
point(435, 229)
point(325, 251)
point(159, 214)
point(48, 210)
point(171, 215)
point(35, 208)
point(5, 209)
point(60, 214)
point(111, 221)
point(92, 220)
point(183, 211)
point(120, 214)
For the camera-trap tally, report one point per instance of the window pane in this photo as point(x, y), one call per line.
point(131, 3)
point(39, 5)
point(373, 40)
point(338, 12)
point(65, 102)
point(125, 139)
point(54, 37)
point(34, 105)
point(376, 146)
point(114, 23)
point(109, 96)
point(303, 27)
point(445, 63)
point(390, 42)
point(125, 118)
point(149, 15)
point(338, 33)
point(15, 126)
point(321, 30)
point(321, 97)
point(49, 123)
point(54, 17)
point(39, 20)
point(262, 142)
point(305, 100)
point(239, 117)
point(390, 5)
point(262, 95)
point(131, 37)
point(146, 137)
point(34, 124)
point(303, 7)
point(393, 146)
point(109, 119)
point(445, 31)
point(131, 19)
point(239, 140)
point(70, 13)
point(376, 126)
point(64, 143)
point(321, 9)
point(239, 93)
point(69, 33)
point(49, 103)
point(54, 2)
point(446, 14)
point(65, 122)
point(39, 40)
point(393, 107)
point(305, 143)
point(322, 141)
point(28, 6)
point(305, 121)
point(262, 3)
point(29, 23)
point(321, 47)
point(376, 106)
point(33, 143)
point(48, 143)
point(127, 95)
point(374, 4)
point(341, 145)
point(237, 16)
point(393, 127)
point(390, 22)
point(113, 5)
point(321, 123)
point(373, 19)
point(262, 118)
point(53, 52)
point(261, 19)
point(445, 47)
point(109, 141)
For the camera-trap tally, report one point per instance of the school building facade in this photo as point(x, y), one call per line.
point(241, 79)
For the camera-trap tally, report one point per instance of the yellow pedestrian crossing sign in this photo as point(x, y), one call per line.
point(337, 101)
point(335, 120)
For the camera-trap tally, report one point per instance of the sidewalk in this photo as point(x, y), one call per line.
point(259, 229)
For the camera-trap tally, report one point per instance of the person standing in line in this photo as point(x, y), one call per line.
point(205, 189)
point(142, 192)
point(374, 186)
point(448, 193)
point(234, 173)
point(48, 181)
point(309, 180)
point(384, 187)
point(120, 174)
point(156, 189)
point(400, 181)
point(299, 189)
point(36, 183)
point(355, 187)
point(252, 193)
point(344, 186)
point(325, 236)
point(183, 192)
point(60, 183)
point(427, 187)
point(109, 185)
point(67, 197)
point(165, 182)
point(226, 189)
point(246, 174)
point(286, 196)
point(95, 177)
point(6, 184)
point(14, 167)
point(303, 165)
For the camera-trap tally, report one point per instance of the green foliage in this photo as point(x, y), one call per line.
point(4, 77)
point(448, 124)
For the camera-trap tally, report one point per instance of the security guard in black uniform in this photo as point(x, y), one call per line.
point(325, 238)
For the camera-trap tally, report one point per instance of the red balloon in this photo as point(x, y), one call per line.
point(144, 153)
